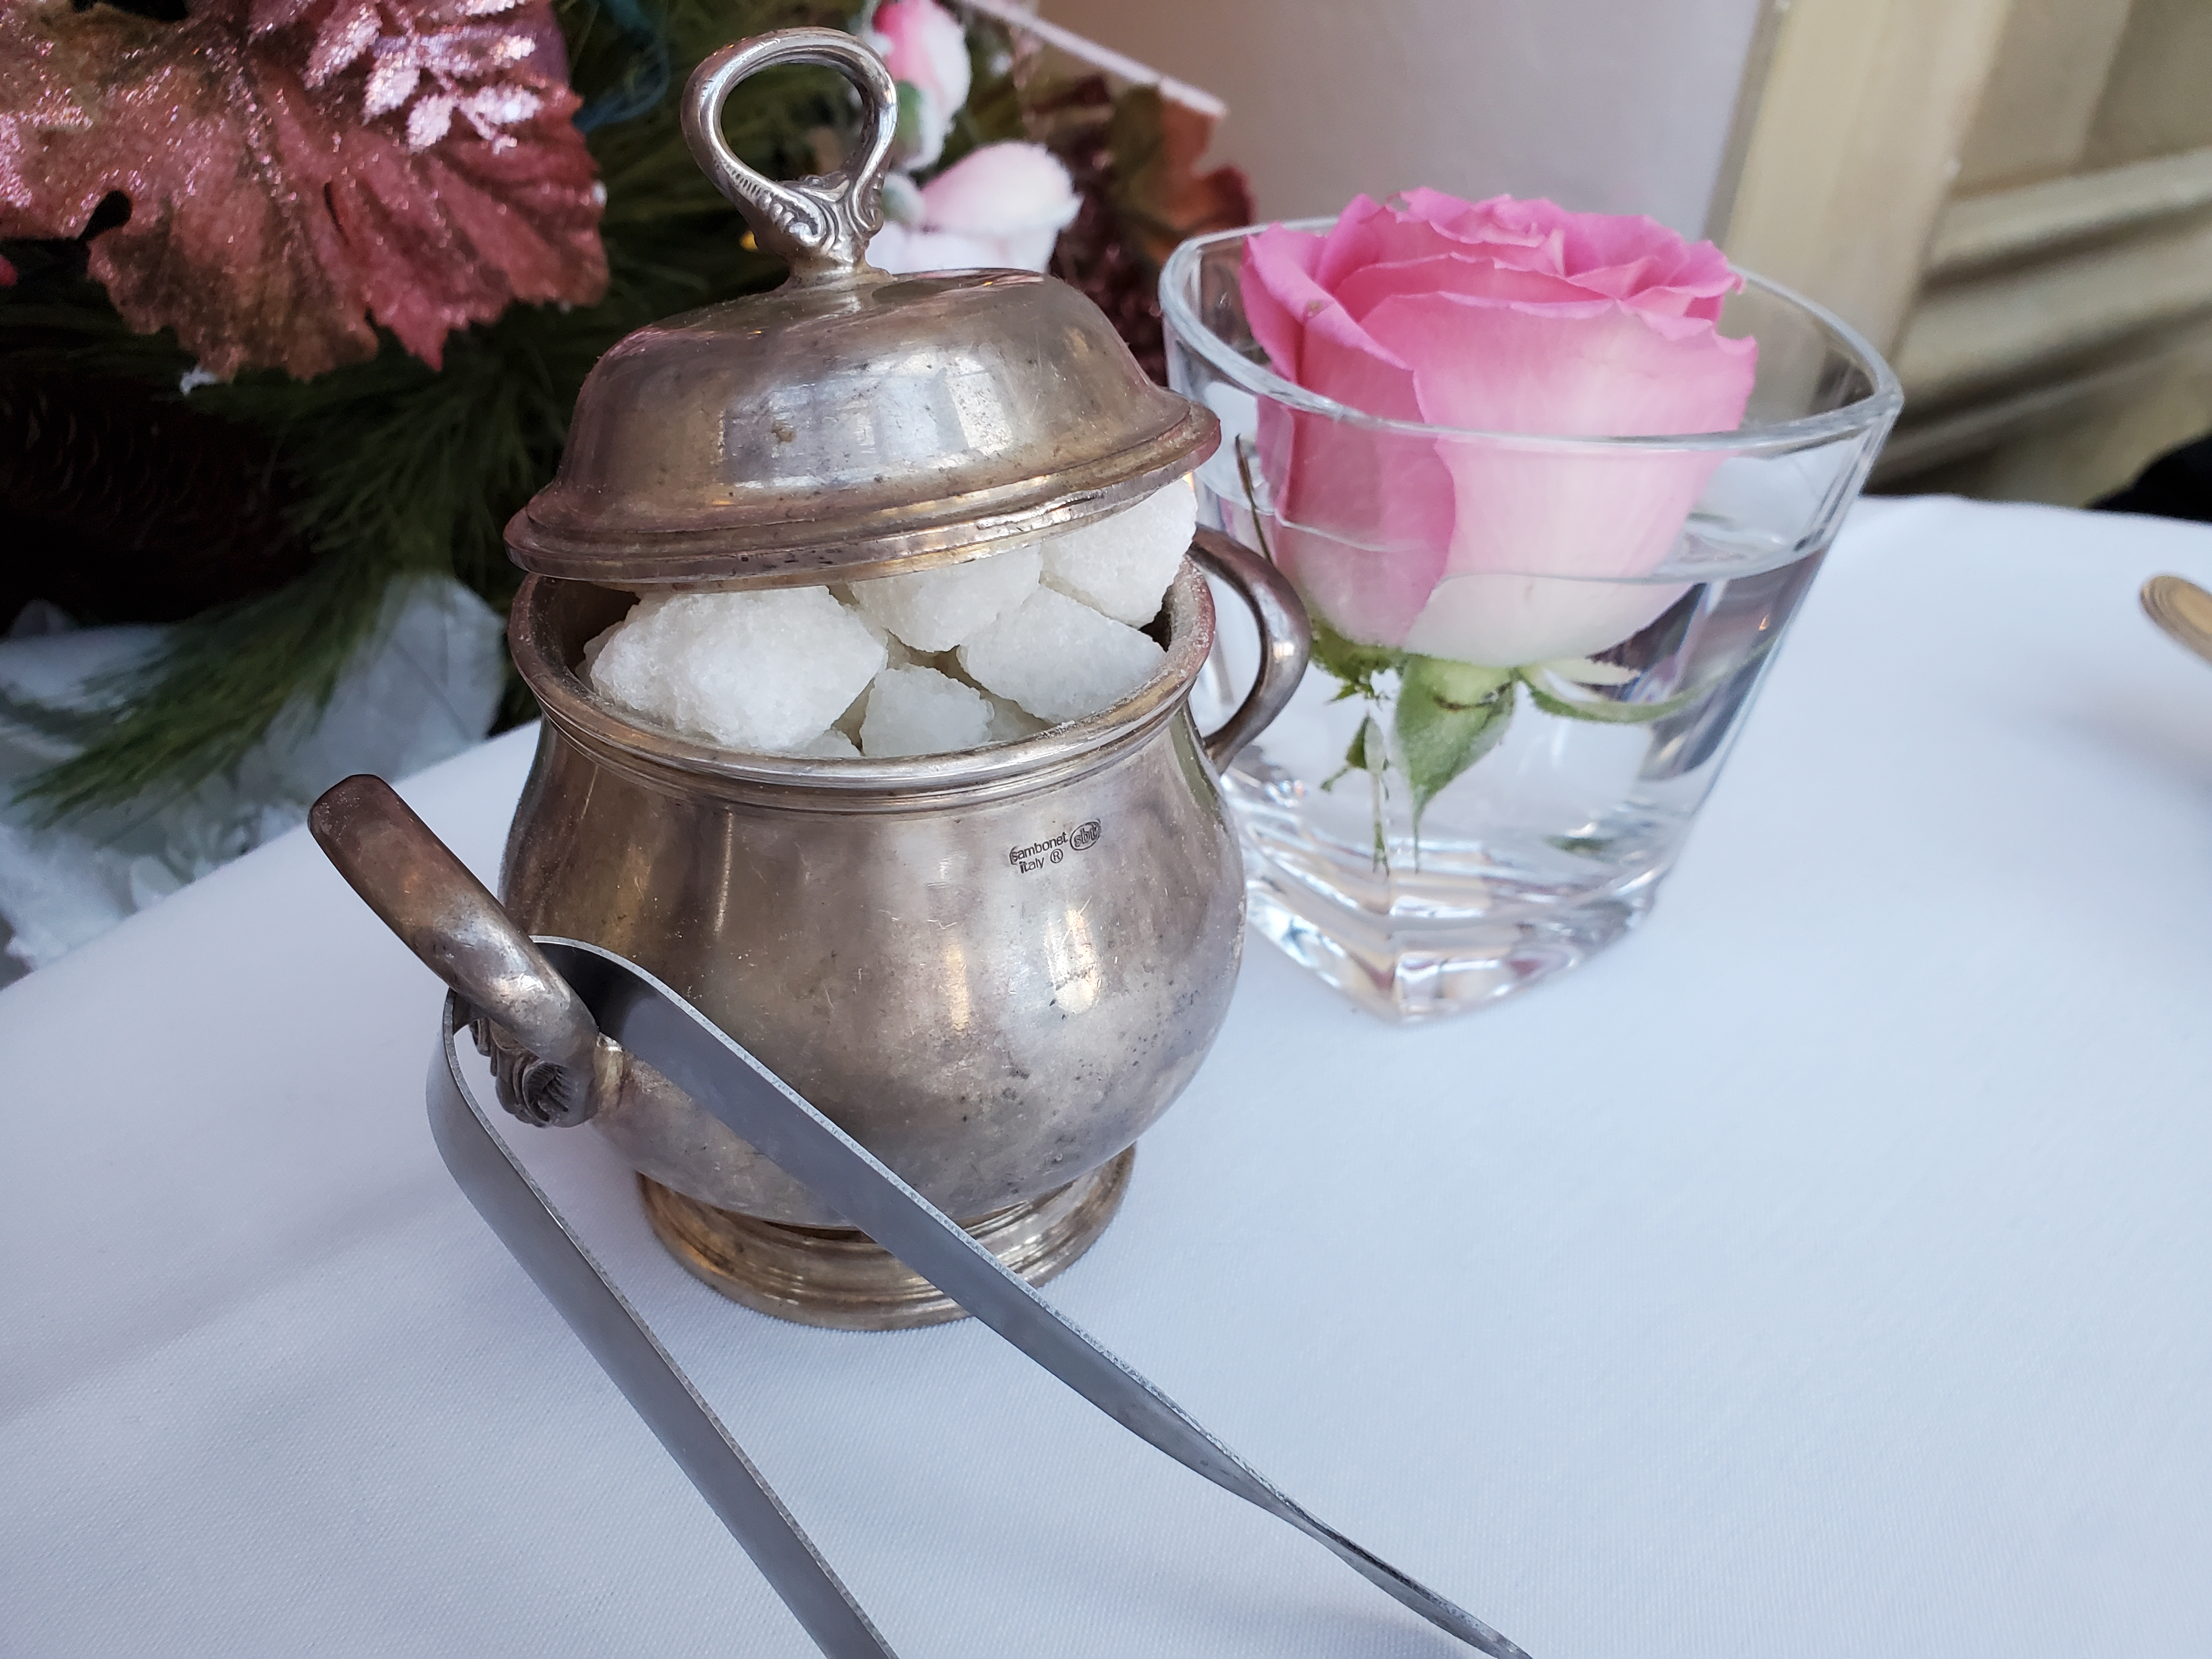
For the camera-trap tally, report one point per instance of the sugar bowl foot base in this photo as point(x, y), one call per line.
point(836, 1277)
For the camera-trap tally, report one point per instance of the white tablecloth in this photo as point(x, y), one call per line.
point(1826, 1271)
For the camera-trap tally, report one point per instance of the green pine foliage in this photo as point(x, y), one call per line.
point(397, 469)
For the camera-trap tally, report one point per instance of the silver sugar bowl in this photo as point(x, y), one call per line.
point(994, 968)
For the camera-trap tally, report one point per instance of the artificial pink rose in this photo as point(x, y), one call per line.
point(923, 45)
point(1496, 317)
point(1001, 205)
point(904, 250)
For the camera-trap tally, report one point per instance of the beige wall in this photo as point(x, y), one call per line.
point(1614, 106)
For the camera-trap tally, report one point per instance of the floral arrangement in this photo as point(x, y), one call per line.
point(295, 294)
point(289, 170)
point(1003, 204)
point(1471, 565)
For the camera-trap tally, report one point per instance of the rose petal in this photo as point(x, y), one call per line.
point(1475, 278)
point(1371, 598)
point(1443, 228)
point(1598, 515)
point(1029, 250)
point(1367, 232)
point(1508, 620)
point(1276, 281)
point(1594, 371)
point(923, 45)
point(1002, 205)
point(1654, 287)
point(1500, 228)
point(1327, 349)
point(903, 250)
point(1362, 515)
point(1369, 488)
point(1596, 241)
point(924, 125)
point(1348, 243)
point(1632, 259)
point(1527, 509)
point(1499, 316)
point(1000, 189)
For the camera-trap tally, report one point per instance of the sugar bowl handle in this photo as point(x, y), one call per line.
point(1285, 639)
point(440, 912)
point(820, 227)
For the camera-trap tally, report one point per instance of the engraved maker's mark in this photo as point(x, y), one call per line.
point(1054, 849)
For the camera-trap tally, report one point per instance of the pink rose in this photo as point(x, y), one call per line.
point(924, 47)
point(1002, 205)
point(1496, 317)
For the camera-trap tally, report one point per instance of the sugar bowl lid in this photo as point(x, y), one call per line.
point(849, 423)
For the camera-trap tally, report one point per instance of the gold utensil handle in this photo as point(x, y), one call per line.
point(440, 912)
point(2183, 609)
point(820, 227)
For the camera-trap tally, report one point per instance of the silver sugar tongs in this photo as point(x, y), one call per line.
point(591, 1017)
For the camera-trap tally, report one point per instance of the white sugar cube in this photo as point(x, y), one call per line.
point(1121, 565)
point(936, 610)
point(765, 672)
point(1011, 721)
point(919, 711)
point(1058, 659)
point(832, 745)
point(895, 655)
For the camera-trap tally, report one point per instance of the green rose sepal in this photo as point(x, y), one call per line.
point(1449, 715)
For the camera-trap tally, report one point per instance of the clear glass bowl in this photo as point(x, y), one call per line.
point(1507, 730)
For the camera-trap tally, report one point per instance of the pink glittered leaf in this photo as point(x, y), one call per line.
point(392, 80)
point(342, 38)
point(281, 194)
point(428, 121)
